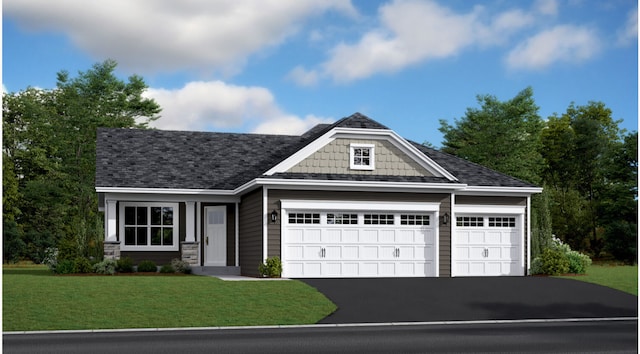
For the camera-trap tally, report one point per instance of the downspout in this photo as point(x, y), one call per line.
point(528, 270)
point(265, 222)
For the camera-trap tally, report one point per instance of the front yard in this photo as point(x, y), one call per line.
point(619, 277)
point(35, 299)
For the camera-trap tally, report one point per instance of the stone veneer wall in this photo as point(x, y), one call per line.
point(190, 253)
point(112, 250)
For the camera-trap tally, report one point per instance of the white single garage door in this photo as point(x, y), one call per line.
point(488, 245)
point(338, 243)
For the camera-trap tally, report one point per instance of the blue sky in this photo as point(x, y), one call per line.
point(282, 66)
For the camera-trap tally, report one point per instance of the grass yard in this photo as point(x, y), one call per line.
point(619, 277)
point(35, 299)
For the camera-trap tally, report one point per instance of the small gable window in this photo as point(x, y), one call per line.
point(362, 156)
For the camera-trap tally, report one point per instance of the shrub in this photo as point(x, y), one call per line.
point(124, 265)
point(82, 265)
point(272, 267)
point(51, 258)
point(167, 268)
point(65, 266)
point(147, 266)
point(181, 266)
point(578, 262)
point(553, 262)
point(107, 266)
point(536, 266)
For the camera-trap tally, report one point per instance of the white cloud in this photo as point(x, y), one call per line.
point(214, 105)
point(547, 7)
point(148, 35)
point(290, 125)
point(413, 31)
point(303, 77)
point(564, 43)
point(629, 32)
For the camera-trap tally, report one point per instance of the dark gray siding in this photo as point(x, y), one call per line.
point(251, 233)
point(275, 196)
point(159, 258)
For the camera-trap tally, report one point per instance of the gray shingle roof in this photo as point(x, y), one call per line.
point(133, 158)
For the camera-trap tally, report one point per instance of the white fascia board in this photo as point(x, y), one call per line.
point(500, 191)
point(357, 185)
point(164, 191)
point(344, 205)
point(352, 133)
point(489, 209)
point(168, 197)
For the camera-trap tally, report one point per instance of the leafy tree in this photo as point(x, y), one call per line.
point(591, 171)
point(49, 144)
point(503, 136)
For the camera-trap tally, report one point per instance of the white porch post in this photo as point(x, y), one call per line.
point(191, 222)
point(110, 225)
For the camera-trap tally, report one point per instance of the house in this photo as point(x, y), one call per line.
point(350, 199)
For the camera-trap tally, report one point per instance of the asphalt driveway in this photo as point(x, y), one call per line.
point(376, 300)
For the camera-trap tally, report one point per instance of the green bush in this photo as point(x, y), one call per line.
point(147, 267)
point(82, 265)
point(578, 262)
point(553, 262)
point(65, 266)
point(536, 266)
point(124, 265)
point(107, 266)
point(181, 266)
point(167, 268)
point(272, 268)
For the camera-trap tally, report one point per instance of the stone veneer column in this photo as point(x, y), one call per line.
point(112, 250)
point(190, 253)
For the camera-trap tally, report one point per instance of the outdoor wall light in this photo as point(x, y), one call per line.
point(445, 218)
point(274, 216)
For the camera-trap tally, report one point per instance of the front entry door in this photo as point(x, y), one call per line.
point(215, 242)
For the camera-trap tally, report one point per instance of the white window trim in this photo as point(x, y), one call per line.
point(372, 157)
point(176, 227)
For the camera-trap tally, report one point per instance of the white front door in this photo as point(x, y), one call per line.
point(215, 241)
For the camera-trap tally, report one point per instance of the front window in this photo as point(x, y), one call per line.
point(362, 156)
point(149, 226)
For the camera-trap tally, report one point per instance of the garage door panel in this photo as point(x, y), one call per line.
point(332, 236)
point(332, 252)
point(494, 237)
point(369, 252)
point(351, 252)
point(312, 236)
point(386, 236)
point(350, 236)
point(369, 236)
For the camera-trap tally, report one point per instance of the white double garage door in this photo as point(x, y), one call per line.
point(356, 239)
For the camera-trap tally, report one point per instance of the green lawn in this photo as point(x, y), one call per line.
point(619, 277)
point(34, 299)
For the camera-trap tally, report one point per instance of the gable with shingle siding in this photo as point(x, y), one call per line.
point(334, 158)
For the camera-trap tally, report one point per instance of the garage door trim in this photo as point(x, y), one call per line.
point(488, 211)
point(287, 206)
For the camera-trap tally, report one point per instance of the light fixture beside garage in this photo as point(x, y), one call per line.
point(445, 218)
point(274, 216)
